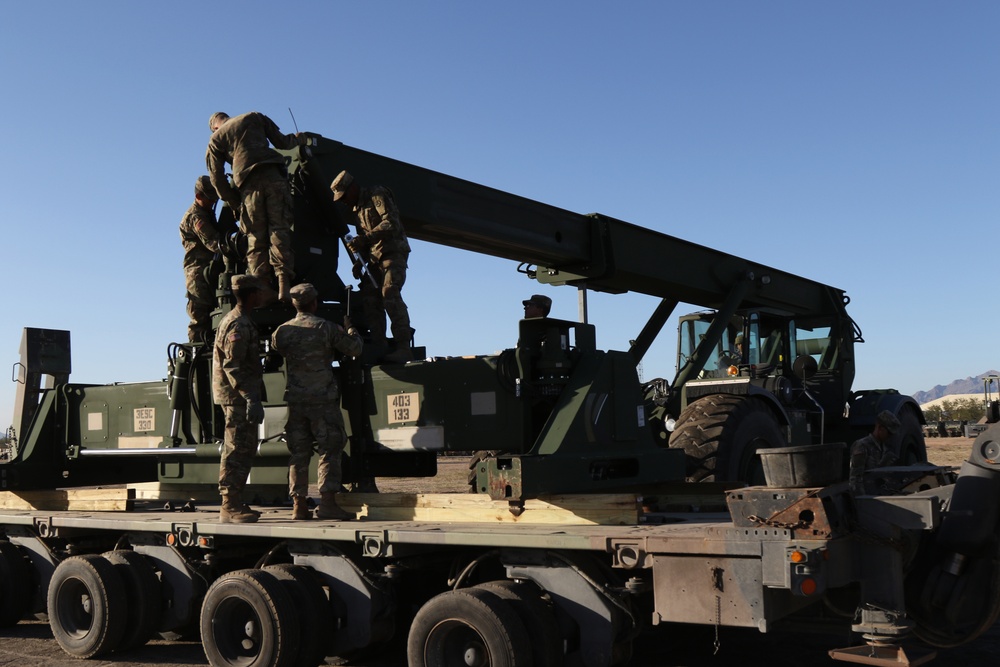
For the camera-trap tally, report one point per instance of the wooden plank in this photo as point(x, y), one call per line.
point(91, 500)
point(209, 493)
point(579, 509)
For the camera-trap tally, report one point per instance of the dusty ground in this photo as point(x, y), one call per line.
point(31, 643)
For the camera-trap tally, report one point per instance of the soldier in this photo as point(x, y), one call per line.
point(236, 386)
point(200, 239)
point(538, 305)
point(873, 450)
point(381, 242)
point(309, 344)
point(261, 189)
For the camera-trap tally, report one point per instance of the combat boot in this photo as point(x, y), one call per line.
point(283, 290)
point(234, 511)
point(329, 509)
point(300, 508)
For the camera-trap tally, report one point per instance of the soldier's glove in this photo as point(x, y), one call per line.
point(357, 270)
point(255, 411)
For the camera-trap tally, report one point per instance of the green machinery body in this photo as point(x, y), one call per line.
point(552, 415)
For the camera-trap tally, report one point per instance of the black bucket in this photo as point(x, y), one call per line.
point(803, 466)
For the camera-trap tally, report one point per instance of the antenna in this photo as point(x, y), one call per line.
point(293, 120)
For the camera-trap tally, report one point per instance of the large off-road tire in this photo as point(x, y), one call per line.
point(469, 626)
point(16, 588)
point(145, 601)
point(88, 606)
point(538, 616)
point(721, 433)
point(248, 619)
point(909, 439)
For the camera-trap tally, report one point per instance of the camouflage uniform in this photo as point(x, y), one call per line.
point(867, 453)
point(236, 380)
point(309, 344)
point(263, 190)
point(382, 238)
point(200, 239)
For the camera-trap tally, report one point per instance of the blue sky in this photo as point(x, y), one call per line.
point(855, 143)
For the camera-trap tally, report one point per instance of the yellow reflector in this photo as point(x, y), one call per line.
point(733, 371)
point(797, 557)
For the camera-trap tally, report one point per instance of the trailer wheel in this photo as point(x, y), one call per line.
point(15, 585)
point(721, 433)
point(249, 620)
point(316, 619)
point(87, 605)
point(538, 617)
point(467, 628)
point(145, 601)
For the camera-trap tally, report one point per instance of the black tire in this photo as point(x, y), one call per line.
point(721, 433)
point(316, 619)
point(248, 619)
point(467, 627)
point(87, 606)
point(909, 439)
point(16, 585)
point(538, 616)
point(145, 600)
point(954, 611)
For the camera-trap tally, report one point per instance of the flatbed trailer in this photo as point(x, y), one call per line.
point(509, 592)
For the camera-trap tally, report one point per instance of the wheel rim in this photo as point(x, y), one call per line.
point(454, 643)
point(75, 608)
point(236, 631)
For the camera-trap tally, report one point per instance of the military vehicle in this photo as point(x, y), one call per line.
point(553, 420)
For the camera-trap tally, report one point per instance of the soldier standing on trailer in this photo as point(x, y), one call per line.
point(309, 344)
point(381, 242)
point(237, 383)
point(201, 243)
point(873, 450)
point(263, 197)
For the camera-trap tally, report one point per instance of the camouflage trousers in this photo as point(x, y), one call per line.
point(200, 302)
point(322, 424)
point(267, 209)
point(387, 301)
point(238, 450)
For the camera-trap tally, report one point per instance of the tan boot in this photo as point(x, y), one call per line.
point(284, 285)
point(234, 511)
point(329, 509)
point(300, 509)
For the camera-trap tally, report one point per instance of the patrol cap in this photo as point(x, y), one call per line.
point(203, 186)
point(888, 421)
point(340, 184)
point(245, 282)
point(304, 293)
point(539, 300)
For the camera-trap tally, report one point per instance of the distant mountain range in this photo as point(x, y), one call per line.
point(970, 385)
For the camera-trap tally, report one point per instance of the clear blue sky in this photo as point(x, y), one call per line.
point(855, 143)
